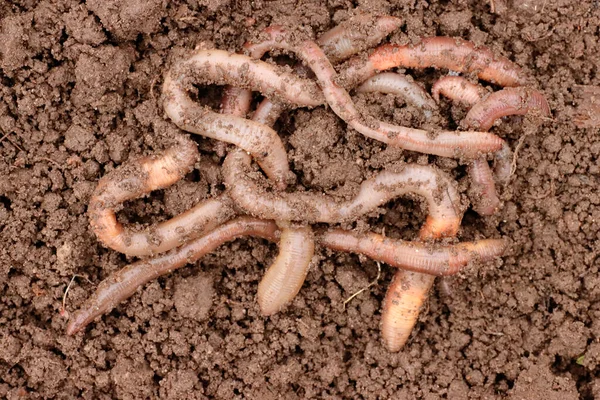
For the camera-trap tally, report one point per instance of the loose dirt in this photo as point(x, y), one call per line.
point(79, 89)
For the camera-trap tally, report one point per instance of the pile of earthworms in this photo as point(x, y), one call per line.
point(341, 60)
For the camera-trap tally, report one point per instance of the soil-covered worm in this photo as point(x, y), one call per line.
point(221, 67)
point(402, 304)
point(286, 275)
point(443, 143)
point(508, 101)
point(426, 258)
point(400, 85)
point(458, 89)
point(438, 52)
point(141, 177)
point(431, 184)
point(356, 34)
point(124, 283)
point(284, 278)
point(339, 43)
point(484, 195)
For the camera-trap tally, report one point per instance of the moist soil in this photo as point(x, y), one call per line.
point(79, 96)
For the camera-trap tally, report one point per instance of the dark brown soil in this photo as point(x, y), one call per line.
point(79, 87)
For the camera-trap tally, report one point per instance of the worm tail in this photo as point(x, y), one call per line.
point(403, 300)
point(285, 276)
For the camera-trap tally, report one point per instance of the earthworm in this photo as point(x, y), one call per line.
point(133, 180)
point(355, 35)
point(345, 40)
point(399, 85)
point(284, 278)
point(401, 306)
point(458, 89)
point(236, 101)
point(433, 185)
point(413, 256)
point(122, 284)
point(268, 112)
point(485, 196)
point(438, 52)
point(446, 144)
point(220, 67)
point(508, 101)
point(286, 275)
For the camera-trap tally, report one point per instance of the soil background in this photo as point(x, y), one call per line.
point(79, 96)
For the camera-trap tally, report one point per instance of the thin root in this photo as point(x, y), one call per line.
point(513, 165)
point(366, 287)
point(63, 309)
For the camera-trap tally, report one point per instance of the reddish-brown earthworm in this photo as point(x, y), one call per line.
point(140, 177)
point(458, 89)
point(508, 101)
point(484, 195)
point(433, 185)
point(122, 284)
point(439, 52)
point(400, 85)
point(444, 143)
point(220, 67)
point(432, 259)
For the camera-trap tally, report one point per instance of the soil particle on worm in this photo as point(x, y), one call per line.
point(79, 96)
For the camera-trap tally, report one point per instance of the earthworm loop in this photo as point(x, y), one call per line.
point(140, 177)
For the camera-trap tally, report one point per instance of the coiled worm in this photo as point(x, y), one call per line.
point(140, 177)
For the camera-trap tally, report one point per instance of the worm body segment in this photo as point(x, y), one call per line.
point(355, 35)
point(439, 52)
point(402, 304)
point(414, 256)
point(139, 178)
point(508, 101)
point(285, 276)
point(399, 85)
point(458, 89)
point(124, 283)
point(441, 196)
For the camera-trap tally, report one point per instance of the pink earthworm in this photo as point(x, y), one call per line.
point(458, 89)
point(220, 67)
point(484, 196)
point(439, 52)
point(236, 101)
point(284, 278)
point(339, 43)
point(355, 35)
point(429, 183)
point(286, 275)
point(508, 101)
point(438, 260)
point(401, 307)
point(140, 177)
point(124, 283)
point(399, 85)
point(446, 144)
